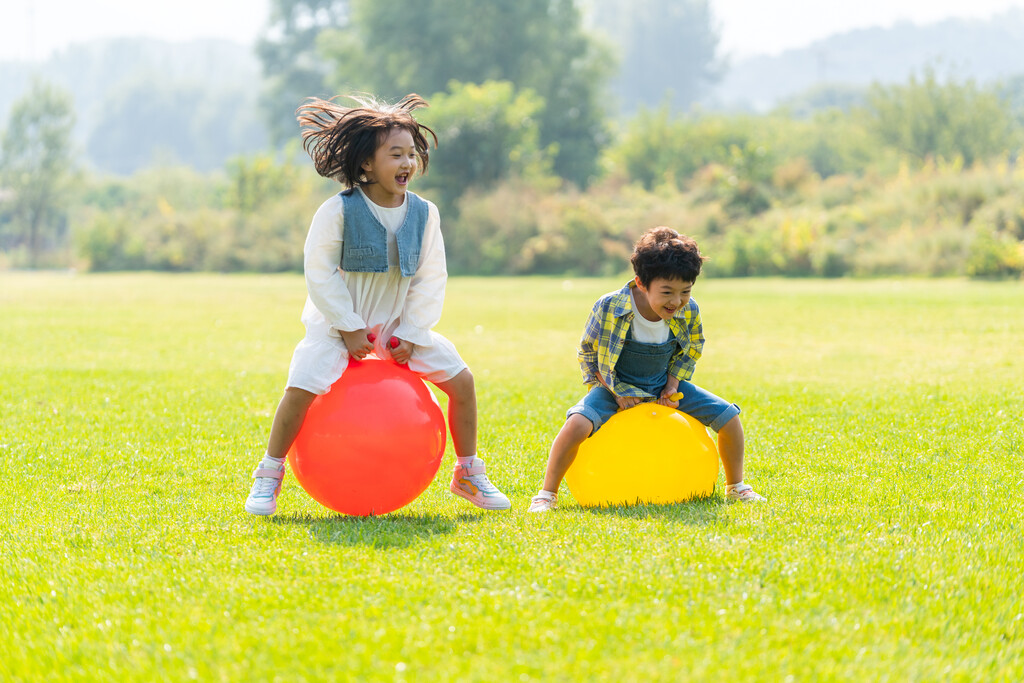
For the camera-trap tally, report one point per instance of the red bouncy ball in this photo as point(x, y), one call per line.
point(373, 443)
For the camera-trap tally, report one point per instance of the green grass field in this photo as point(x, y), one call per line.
point(883, 423)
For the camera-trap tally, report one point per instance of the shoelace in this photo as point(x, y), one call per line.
point(265, 486)
point(483, 483)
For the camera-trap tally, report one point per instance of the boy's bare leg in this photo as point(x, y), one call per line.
point(564, 448)
point(730, 450)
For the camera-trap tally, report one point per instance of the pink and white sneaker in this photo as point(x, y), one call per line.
point(262, 498)
point(743, 493)
point(543, 504)
point(471, 482)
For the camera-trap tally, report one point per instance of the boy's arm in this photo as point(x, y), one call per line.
point(594, 335)
point(587, 353)
point(684, 362)
point(425, 300)
point(325, 281)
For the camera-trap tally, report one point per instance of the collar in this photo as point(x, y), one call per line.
point(624, 302)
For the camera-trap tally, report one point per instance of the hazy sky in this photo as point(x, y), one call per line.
point(771, 26)
point(32, 29)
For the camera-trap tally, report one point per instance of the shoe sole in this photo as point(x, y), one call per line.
point(483, 506)
point(260, 512)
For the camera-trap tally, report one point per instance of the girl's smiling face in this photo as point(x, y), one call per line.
point(391, 168)
point(664, 298)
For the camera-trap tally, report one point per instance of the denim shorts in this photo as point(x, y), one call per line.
point(599, 404)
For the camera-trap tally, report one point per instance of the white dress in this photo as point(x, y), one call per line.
point(387, 304)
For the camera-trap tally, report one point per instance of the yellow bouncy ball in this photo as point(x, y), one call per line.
point(647, 454)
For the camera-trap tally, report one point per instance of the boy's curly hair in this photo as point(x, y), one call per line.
point(339, 139)
point(663, 252)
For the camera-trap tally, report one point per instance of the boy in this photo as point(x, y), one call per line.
point(642, 343)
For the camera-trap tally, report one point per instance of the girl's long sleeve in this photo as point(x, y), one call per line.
point(425, 300)
point(325, 281)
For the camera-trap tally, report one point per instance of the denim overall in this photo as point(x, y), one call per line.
point(365, 249)
point(645, 366)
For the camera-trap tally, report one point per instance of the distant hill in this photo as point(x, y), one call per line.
point(138, 100)
point(986, 51)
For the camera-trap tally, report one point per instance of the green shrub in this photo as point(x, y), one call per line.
point(517, 229)
point(995, 254)
point(486, 133)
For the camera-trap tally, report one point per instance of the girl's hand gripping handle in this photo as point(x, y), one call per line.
point(358, 342)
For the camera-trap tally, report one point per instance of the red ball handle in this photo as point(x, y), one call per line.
point(372, 337)
point(393, 342)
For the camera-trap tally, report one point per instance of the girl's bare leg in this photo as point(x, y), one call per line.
point(291, 412)
point(461, 392)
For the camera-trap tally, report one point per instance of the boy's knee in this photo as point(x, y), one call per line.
point(732, 426)
point(578, 428)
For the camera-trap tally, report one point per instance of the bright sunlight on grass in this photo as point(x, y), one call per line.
point(883, 425)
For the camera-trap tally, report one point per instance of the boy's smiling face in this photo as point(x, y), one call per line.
point(391, 168)
point(664, 298)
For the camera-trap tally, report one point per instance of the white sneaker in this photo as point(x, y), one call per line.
point(743, 493)
point(471, 482)
point(262, 498)
point(543, 504)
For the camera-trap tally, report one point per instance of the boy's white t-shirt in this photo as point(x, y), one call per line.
point(646, 331)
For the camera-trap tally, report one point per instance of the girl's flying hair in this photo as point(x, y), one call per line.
point(339, 139)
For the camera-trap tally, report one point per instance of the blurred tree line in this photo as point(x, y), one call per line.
point(142, 101)
point(536, 174)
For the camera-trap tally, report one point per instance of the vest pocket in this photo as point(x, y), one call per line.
point(361, 251)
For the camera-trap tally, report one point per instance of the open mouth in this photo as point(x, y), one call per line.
point(402, 179)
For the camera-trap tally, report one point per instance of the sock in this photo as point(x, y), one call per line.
point(466, 459)
point(546, 495)
point(275, 462)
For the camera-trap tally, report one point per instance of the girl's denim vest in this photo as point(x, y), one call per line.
point(365, 247)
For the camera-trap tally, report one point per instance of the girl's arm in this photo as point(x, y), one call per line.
point(325, 281)
point(423, 304)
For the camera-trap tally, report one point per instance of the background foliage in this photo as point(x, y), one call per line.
point(541, 168)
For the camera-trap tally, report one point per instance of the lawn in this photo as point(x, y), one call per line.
point(883, 423)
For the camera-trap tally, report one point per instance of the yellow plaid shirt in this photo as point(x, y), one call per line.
point(605, 334)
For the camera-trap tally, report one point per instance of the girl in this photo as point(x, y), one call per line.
point(375, 270)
